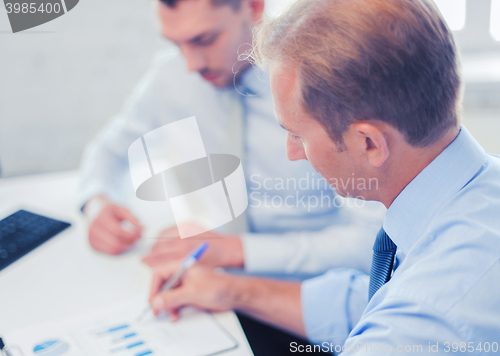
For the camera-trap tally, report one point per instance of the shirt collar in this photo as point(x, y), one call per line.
point(412, 210)
point(253, 82)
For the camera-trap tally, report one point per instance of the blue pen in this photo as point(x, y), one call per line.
point(188, 262)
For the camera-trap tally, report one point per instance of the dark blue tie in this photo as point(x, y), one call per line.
point(383, 259)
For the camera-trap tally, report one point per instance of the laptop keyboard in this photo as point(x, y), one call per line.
point(24, 231)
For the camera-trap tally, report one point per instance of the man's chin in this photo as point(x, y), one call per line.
point(223, 84)
point(342, 192)
point(218, 80)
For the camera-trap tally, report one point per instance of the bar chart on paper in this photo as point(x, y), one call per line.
point(121, 339)
point(115, 331)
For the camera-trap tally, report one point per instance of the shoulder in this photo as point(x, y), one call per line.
point(473, 210)
point(451, 272)
point(459, 246)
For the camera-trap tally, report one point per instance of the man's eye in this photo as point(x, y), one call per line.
point(206, 41)
point(295, 137)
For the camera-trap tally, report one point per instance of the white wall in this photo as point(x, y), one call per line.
point(59, 82)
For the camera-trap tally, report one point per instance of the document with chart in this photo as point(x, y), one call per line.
point(116, 331)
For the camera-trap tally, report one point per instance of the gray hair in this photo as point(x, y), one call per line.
point(360, 60)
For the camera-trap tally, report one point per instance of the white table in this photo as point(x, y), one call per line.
point(65, 275)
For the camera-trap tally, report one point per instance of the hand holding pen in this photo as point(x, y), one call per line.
point(187, 263)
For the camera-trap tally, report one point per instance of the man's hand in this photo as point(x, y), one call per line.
point(272, 301)
point(223, 250)
point(200, 286)
point(112, 227)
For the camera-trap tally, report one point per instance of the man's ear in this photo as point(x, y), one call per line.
point(372, 142)
point(257, 8)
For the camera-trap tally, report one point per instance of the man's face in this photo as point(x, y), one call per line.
point(307, 139)
point(209, 37)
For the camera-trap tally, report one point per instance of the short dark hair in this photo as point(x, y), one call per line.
point(235, 4)
point(388, 60)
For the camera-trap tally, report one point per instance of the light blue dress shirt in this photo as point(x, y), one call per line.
point(445, 290)
point(295, 224)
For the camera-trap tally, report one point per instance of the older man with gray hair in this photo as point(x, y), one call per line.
point(370, 89)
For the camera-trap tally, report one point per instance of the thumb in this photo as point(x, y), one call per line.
point(170, 301)
point(168, 233)
point(123, 214)
point(160, 277)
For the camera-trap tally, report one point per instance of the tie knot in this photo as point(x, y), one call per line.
point(383, 242)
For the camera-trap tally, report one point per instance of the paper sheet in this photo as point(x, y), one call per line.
point(115, 331)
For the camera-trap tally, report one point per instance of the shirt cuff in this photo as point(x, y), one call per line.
point(88, 193)
point(88, 190)
point(332, 304)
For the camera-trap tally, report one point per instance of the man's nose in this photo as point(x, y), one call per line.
point(295, 148)
point(194, 58)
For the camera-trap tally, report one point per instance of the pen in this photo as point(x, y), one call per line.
point(188, 262)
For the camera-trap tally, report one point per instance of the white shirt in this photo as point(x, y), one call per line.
point(295, 223)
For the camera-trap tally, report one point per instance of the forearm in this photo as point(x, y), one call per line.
point(340, 245)
point(347, 242)
point(274, 302)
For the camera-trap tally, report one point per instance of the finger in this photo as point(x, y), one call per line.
point(159, 259)
point(174, 246)
point(171, 301)
point(177, 246)
point(113, 246)
point(115, 235)
point(160, 247)
point(163, 245)
point(114, 227)
point(154, 261)
point(123, 214)
point(156, 284)
point(105, 242)
point(171, 232)
point(160, 276)
point(169, 250)
point(174, 315)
